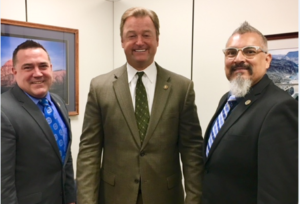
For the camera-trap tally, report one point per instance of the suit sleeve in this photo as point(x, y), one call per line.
point(190, 145)
point(278, 155)
point(90, 148)
point(70, 192)
point(8, 160)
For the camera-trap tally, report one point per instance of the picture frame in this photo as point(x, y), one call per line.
point(284, 67)
point(62, 46)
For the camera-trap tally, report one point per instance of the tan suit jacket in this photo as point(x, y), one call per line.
point(110, 131)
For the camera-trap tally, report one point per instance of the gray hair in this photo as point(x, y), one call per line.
point(247, 28)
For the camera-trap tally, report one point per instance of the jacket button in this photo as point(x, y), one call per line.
point(136, 180)
point(142, 154)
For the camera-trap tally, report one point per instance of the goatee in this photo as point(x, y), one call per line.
point(240, 86)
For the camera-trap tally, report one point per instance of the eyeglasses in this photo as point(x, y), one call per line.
point(248, 52)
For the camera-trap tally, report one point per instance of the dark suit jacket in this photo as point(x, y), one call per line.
point(31, 168)
point(254, 159)
point(110, 125)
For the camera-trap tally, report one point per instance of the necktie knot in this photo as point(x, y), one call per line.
point(231, 100)
point(44, 102)
point(140, 74)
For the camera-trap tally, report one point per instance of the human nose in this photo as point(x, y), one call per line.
point(37, 72)
point(139, 40)
point(239, 56)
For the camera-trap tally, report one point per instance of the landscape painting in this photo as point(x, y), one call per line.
point(58, 55)
point(285, 65)
point(62, 45)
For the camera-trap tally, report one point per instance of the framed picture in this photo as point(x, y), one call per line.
point(62, 46)
point(284, 66)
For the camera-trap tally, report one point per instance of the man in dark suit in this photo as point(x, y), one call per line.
point(253, 156)
point(36, 161)
point(141, 120)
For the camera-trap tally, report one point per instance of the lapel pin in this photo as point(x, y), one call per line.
point(247, 102)
point(58, 104)
point(166, 87)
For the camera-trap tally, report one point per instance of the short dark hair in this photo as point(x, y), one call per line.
point(26, 45)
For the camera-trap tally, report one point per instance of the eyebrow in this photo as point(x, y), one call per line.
point(41, 63)
point(144, 31)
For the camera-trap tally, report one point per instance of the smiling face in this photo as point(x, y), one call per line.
point(139, 41)
point(33, 71)
point(252, 68)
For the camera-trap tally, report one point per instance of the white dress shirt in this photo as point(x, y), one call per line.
point(149, 81)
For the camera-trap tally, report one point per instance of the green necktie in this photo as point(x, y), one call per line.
point(141, 107)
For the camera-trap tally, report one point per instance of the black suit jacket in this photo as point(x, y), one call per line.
point(31, 167)
point(254, 158)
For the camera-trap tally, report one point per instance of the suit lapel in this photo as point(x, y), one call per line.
point(161, 95)
point(237, 112)
point(121, 89)
point(37, 115)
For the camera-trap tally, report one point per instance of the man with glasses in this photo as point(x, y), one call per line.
point(251, 143)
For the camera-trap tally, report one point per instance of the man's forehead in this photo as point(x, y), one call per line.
point(244, 39)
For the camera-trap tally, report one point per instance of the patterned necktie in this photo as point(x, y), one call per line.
point(141, 107)
point(55, 126)
point(219, 122)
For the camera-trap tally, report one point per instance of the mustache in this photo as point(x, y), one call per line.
point(235, 67)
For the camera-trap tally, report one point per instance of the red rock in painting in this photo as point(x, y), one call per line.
point(7, 77)
point(59, 76)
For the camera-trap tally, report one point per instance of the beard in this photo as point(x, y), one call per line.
point(240, 86)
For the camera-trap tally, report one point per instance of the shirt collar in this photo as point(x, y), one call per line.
point(150, 72)
point(36, 100)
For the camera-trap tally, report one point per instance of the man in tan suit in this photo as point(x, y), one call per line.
point(140, 150)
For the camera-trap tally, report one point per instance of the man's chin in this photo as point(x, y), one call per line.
point(40, 93)
point(240, 85)
point(240, 75)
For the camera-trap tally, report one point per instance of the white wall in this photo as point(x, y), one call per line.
point(100, 49)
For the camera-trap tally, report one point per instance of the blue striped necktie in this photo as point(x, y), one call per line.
point(219, 122)
point(52, 120)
